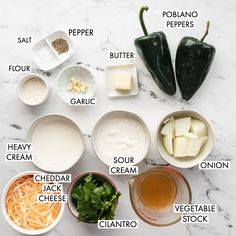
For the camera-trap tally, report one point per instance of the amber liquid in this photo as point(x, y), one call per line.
point(157, 190)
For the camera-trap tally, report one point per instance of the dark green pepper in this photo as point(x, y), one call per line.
point(193, 62)
point(154, 51)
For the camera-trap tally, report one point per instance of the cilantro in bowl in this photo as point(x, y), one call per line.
point(95, 198)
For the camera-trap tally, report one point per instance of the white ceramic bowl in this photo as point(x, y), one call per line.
point(45, 56)
point(109, 117)
point(185, 162)
point(80, 72)
point(26, 78)
point(11, 223)
point(57, 142)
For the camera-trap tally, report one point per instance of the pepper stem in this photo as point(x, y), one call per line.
point(144, 8)
point(206, 33)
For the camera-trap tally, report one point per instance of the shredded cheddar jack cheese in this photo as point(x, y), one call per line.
point(23, 208)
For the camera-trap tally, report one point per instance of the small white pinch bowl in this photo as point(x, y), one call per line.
point(26, 78)
point(80, 72)
point(185, 162)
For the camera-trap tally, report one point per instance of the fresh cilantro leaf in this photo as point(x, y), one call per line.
point(88, 178)
point(107, 188)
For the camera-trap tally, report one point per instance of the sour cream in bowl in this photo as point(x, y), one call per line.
point(120, 134)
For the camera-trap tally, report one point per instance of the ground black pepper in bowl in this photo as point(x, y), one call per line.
point(60, 45)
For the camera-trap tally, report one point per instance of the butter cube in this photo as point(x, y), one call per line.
point(123, 81)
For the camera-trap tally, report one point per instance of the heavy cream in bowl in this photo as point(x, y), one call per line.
point(120, 134)
point(57, 143)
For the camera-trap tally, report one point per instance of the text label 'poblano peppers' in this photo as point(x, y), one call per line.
point(154, 51)
point(193, 61)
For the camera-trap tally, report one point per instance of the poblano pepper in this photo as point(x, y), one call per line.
point(154, 51)
point(193, 62)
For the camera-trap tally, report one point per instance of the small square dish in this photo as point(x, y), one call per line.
point(128, 70)
point(52, 51)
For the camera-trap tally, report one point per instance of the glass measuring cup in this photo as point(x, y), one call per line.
point(160, 216)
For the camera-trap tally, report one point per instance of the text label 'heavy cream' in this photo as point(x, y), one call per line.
point(19, 152)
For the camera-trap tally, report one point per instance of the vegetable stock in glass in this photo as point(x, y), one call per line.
point(157, 190)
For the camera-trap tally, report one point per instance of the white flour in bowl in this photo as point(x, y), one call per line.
point(33, 91)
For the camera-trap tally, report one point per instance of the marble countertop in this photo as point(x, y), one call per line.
point(115, 25)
